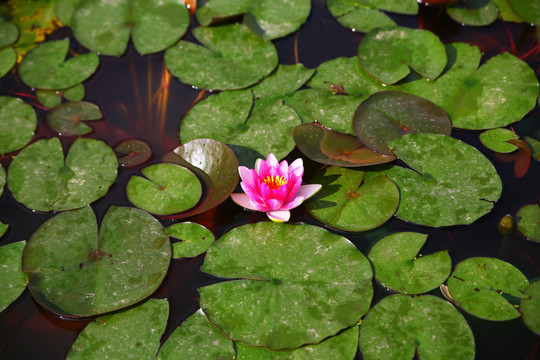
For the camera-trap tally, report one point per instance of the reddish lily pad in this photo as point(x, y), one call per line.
point(75, 272)
point(11, 275)
point(330, 147)
point(194, 239)
point(135, 152)
point(18, 122)
point(477, 286)
point(530, 307)
point(66, 119)
point(497, 140)
point(387, 115)
point(528, 221)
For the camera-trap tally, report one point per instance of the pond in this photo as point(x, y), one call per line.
point(142, 97)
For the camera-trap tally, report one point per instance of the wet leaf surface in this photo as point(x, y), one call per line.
point(528, 221)
point(530, 307)
point(66, 119)
point(194, 239)
point(135, 152)
point(473, 12)
point(18, 122)
point(8, 57)
point(527, 10)
point(11, 276)
point(497, 140)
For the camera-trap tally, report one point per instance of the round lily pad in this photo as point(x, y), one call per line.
point(231, 57)
point(530, 307)
point(11, 275)
point(136, 332)
point(528, 221)
point(64, 10)
point(48, 98)
point(387, 53)
point(194, 239)
point(387, 115)
point(401, 327)
point(275, 305)
point(9, 33)
point(347, 202)
point(196, 338)
point(527, 10)
point(18, 122)
point(75, 272)
point(105, 27)
point(8, 57)
point(473, 12)
point(167, 189)
point(478, 284)
point(399, 266)
point(40, 179)
point(330, 147)
point(450, 183)
point(45, 67)
point(213, 11)
point(135, 152)
point(497, 140)
point(66, 119)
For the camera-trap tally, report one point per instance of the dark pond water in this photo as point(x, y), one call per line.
point(130, 92)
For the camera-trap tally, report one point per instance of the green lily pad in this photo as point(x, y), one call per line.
point(74, 93)
point(530, 307)
point(400, 326)
point(64, 10)
point(506, 12)
point(500, 92)
point(66, 119)
point(399, 266)
point(496, 140)
point(528, 221)
point(11, 276)
point(3, 228)
point(196, 339)
point(40, 179)
point(347, 202)
point(342, 346)
point(215, 11)
point(527, 10)
point(8, 33)
point(231, 57)
point(45, 67)
point(105, 27)
point(135, 152)
point(535, 147)
point(194, 239)
point(133, 333)
point(330, 147)
point(473, 12)
point(18, 122)
point(431, 193)
point(167, 189)
point(275, 305)
point(8, 57)
point(75, 272)
point(387, 53)
point(216, 167)
point(483, 286)
point(386, 115)
point(365, 16)
point(48, 98)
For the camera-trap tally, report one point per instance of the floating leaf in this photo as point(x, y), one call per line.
point(75, 93)
point(431, 193)
point(388, 53)
point(3, 227)
point(214, 11)
point(8, 33)
point(167, 189)
point(528, 221)
point(45, 67)
point(330, 147)
point(527, 10)
point(48, 98)
point(400, 327)
point(473, 12)
point(386, 115)
point(75, 272)
point(136, 152)
point(500, 92)
point(194, 239)
point(506, 12)
point(12, 278)
point(535, 147)
point(8, 57)
point(40, 179)
point(497, 140)
point(399, 266)
point(278, 306)
point(105, 27)
point(134, 333)
point(64, 10)
point(530, 307)
point(196, 339)
point(478, 284)
point(349, 203)
point(66, 119)
point(232, 57)
point(18, 122)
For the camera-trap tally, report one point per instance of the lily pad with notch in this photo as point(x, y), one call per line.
point(134, 152)
point(52, 98)
point(8, 56)
point(530, 307)
point(528, 221)
point(497, 140)
point(194, 239)
point(399, 266)
point(42, 180)
point(349, 203)
point(76, 272)
point(473, 12)
point(401, 327)
point(271, 304)
point(12, 277)
point(18, 122)
point(386, 115)
point(67, 118)
point(329, 147)
point(487, 288)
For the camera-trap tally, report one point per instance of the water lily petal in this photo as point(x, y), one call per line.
point(294, 184)
point(258, 164)
point(272, 161)
point(252, 192)
point(245, 175)
point(243, 200)
point(279, 215)
point(274, 204)
point(296, 164)
point(294, 203)
point(283, 168)
point(308, 191)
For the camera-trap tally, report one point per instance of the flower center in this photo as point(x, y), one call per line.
point(274, 183)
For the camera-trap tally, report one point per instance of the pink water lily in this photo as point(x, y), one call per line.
point(274, 187)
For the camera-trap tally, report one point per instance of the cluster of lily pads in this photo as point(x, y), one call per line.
point(398, 99)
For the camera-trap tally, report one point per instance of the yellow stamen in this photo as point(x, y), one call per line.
point(274, 183)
